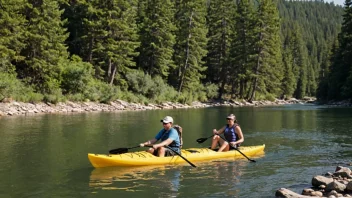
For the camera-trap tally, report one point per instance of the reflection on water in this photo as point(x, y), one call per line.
point(170, 179)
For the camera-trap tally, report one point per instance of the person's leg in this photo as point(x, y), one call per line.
point(215, 141)
point(224, 146)
point(151, 150)
point(168, 152)
point(161, 151)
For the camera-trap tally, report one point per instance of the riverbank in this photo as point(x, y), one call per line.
point(332, 185)
point(14, 108)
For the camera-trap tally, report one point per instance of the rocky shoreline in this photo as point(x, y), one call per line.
point(13, 108)
point(331, 185)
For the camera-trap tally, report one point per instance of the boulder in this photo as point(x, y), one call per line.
point(321, 180)
point(285, 193)
point(335, 185)
point(349, 186)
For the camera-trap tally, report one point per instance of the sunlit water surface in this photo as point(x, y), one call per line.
point(46, 155)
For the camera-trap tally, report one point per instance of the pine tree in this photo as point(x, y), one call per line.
point(191, 42)
point(220, 35)
point(45, 37)
point(242, 48)
point(300, 64)
point(267, 73)
point(289, 80)
point(116, 49)
point(12, 24)
point(157, 37)
point(341, 70)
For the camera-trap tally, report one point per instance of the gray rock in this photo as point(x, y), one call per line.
point(307, 191)
point(321, 180)
point(349, 186)
point(317, 193)
point(335, 185)
point(343, 172)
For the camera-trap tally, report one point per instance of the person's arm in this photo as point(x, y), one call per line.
point(173, 136)
point(218, 132)
point(240, 137)
point(149, 142)
point(163, 143)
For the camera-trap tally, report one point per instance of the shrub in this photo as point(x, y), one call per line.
point(11, 87)
point(99, 91)
point(76, 76)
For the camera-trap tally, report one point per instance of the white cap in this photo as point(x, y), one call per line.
point(167, 119)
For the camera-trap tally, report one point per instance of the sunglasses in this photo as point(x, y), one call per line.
point(229, 119)
point(165, 123)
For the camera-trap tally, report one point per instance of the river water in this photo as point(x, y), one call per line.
point(46, 155)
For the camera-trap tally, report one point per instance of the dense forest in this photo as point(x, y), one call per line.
point(174, 50)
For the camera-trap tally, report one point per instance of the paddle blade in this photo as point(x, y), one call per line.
point(201, 140)
point(118, 151)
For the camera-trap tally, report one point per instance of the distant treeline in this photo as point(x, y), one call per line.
point(173, 50)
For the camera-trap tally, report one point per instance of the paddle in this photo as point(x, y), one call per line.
point(125, 150)
point(121, 150)
point(179, 154)
point(237, 149)
point(201, 140)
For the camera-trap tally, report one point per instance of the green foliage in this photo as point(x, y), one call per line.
point(308, 30)
point(45, 37)
point(99, 91)
point(191, 42)
point(54, 97)
point(242, 58)
point(211, 90)
point(139, 82)
point(154, 89)
point(76, 76)
point(11, 34)
point(157, 37)
point(340, 73)
point(267, 96)
point(268, 71)
point(248, 49)
point(220, 21)
point(11, 87)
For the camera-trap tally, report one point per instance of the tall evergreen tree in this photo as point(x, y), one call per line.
point(267, 73)
point(300, 64)
point(11, 33)
point(289, 80)
point(116, 48)
point(220, 35)
point(242, 49)
point(191, 42)
point(341, 70)
point(157, 37)
point(45, 37)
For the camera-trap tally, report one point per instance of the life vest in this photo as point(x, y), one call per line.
point(230, 133)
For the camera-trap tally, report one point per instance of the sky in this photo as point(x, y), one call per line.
point(339, 2)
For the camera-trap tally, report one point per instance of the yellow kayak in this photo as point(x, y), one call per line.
point(143, 158)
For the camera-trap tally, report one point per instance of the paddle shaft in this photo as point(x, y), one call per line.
point(177, 153)
point(237, 149)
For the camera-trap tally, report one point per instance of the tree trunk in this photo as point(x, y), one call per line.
point(113, 74)
point(255, 81)
point(109, 71)
point(183, 73)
